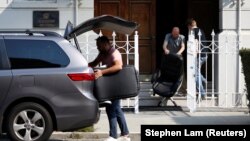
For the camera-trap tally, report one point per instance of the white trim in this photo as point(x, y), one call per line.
point(34, 4)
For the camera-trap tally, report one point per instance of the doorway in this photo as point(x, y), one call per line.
point(142, 12)
point(156, 18)
point(176, 12)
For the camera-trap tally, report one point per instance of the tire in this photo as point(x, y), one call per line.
point(29, 122)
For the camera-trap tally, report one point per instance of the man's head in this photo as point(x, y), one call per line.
point(191, 23)
point(175, 32)
point(103, 44)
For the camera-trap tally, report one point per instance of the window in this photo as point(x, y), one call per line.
point(24, 54)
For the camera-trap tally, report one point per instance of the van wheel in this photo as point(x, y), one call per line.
point(29, 122)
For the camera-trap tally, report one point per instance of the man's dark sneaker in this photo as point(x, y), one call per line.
point(203, 97)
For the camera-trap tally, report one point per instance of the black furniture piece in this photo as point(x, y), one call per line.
point(167, 79)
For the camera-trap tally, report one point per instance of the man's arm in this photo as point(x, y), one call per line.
point(165, 49)
point(116, 67)
point(95, 62)
point(181, 49)
point(182, 45)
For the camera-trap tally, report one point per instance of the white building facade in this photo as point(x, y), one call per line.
point(235, 35)
point(234, 26)
point(18, 14)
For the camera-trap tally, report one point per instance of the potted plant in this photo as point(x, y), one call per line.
point(245, 59)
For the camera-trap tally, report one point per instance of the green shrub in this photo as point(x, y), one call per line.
point(87, 129)
point(245, 59)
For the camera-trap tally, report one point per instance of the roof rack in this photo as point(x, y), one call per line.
point(31, 33)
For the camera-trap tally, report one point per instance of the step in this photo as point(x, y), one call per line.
point(147, 97)
point(151, 101)
point(145, 85)
point(180, 101)
point(148, 93)
point(145, 78)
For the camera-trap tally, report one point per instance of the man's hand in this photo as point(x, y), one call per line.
point(179, 54)
point(98, 73)
point(166, 51)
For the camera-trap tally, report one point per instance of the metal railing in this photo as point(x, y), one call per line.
point(220, 72)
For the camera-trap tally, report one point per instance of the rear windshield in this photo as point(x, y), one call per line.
point(25, 54)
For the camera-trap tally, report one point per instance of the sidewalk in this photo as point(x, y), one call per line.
point(161, 117)
point(175, 118)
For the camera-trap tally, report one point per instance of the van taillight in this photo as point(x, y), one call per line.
point(82, 76)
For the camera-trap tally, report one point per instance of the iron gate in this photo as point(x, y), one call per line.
point(223, 84)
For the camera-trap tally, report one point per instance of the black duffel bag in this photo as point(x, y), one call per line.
point(119, 85)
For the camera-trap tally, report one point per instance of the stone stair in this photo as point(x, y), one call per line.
point(147, 98)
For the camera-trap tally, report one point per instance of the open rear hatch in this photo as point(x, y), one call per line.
point(106, 22)
point(123, 84)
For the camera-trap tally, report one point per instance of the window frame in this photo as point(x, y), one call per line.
point(3, 56)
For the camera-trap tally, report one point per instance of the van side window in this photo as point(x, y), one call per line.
point(25, 54)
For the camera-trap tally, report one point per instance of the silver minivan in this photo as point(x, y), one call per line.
point(45, 82)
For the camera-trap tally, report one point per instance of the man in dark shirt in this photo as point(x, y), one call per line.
point(174, 42)
point(202, 57)
point(112, 58)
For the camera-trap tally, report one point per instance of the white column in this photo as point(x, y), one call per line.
point(75, 12)
point(136, 63)
point(234, 24)
point(191, 64)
